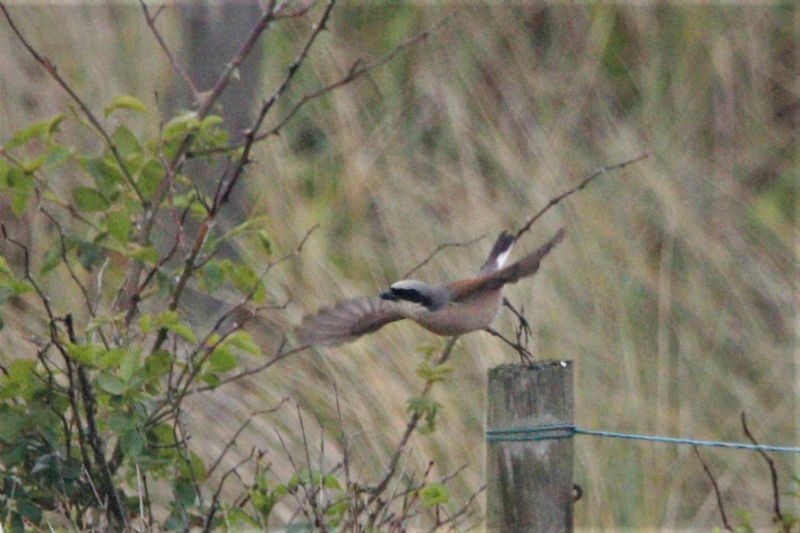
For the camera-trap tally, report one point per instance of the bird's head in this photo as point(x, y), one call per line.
point(411, 290)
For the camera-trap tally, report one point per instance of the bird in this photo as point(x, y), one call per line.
point(448, 309)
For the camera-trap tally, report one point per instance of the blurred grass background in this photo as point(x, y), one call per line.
point(675, 293)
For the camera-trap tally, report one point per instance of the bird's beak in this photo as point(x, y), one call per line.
point(387, 295)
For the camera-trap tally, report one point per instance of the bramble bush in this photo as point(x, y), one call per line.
point(92, 393)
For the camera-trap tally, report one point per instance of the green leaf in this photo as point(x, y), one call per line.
point(157, 364)
point(434, 494)
point(28, 509)
point(87, 199)
point(211, 379)
point(105, 172)
point(243, 341)
point(212, 276)
point(29, 166)
point(195, 469)
point(13, 424)
point(126, 142)
point(433, 373)
point(22, 186)
point(185, 494)
point(51, 259)
point(132, 444)
point(119, 226)
point(110, 383)
point(265, 241)
point(150, 178)
point(56, 155)
point(329, 481)
point(89, 255)
point(180, 126)
point(183, 331)
point(125, 101)
point(146, 323)
point(129, 365)
point(86, 354)
point(170, 321)
point(222, 360)
point(427, 409)
point(36, 130)
point(147, 254)
point(111, 358)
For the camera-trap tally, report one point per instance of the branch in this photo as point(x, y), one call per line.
point(525, 355)
point(556, 200)
point(225, 186)
point(225, 77)
point(717, 492)
point(208, 100)
point(413, 421)
point(280, 356)
point(357, 69)
point(96, 443)
point(242, 427)
point(151, 23)
point(430, 256)
point(776, 495)
point(53, 71)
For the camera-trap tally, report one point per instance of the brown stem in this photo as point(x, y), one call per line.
point(717, 492)
point(556, 200)
point(776, 495)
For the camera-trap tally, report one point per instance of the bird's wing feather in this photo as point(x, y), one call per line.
point(527, 266)
point(346, 321)
point(499, 254)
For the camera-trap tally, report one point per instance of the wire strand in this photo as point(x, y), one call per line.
point(565, 431)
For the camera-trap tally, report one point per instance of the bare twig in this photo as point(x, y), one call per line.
point(151, 23)
point(557, 199)
point(443, 246)
point(412, 424)
point(262, 24)
point(357, 69)
point(776, 495)
point(215, 498)
point(232, 441)
point(62, 244)
point(525, 355)
point(717, 492)
point(280, 356)
point(225, 186)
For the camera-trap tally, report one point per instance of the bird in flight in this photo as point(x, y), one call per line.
point(447, 309)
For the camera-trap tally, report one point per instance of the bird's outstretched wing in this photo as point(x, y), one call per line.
point(347, 321)
point(527, 266)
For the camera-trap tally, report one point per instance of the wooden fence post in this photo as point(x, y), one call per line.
point(529, 483)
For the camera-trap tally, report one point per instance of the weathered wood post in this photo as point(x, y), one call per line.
point(529, 473)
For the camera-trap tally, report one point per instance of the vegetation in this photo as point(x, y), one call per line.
point(155, 258)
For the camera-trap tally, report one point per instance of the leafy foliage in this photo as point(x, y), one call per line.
point(91, 426)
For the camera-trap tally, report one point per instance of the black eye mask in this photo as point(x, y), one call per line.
point(408, 295)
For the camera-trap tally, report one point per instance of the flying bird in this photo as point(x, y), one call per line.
point(447, 309)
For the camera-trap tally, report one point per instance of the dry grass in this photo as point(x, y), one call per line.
point(675, 292)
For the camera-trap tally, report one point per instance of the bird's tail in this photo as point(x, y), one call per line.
point(529, 264)
point(499, 254)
